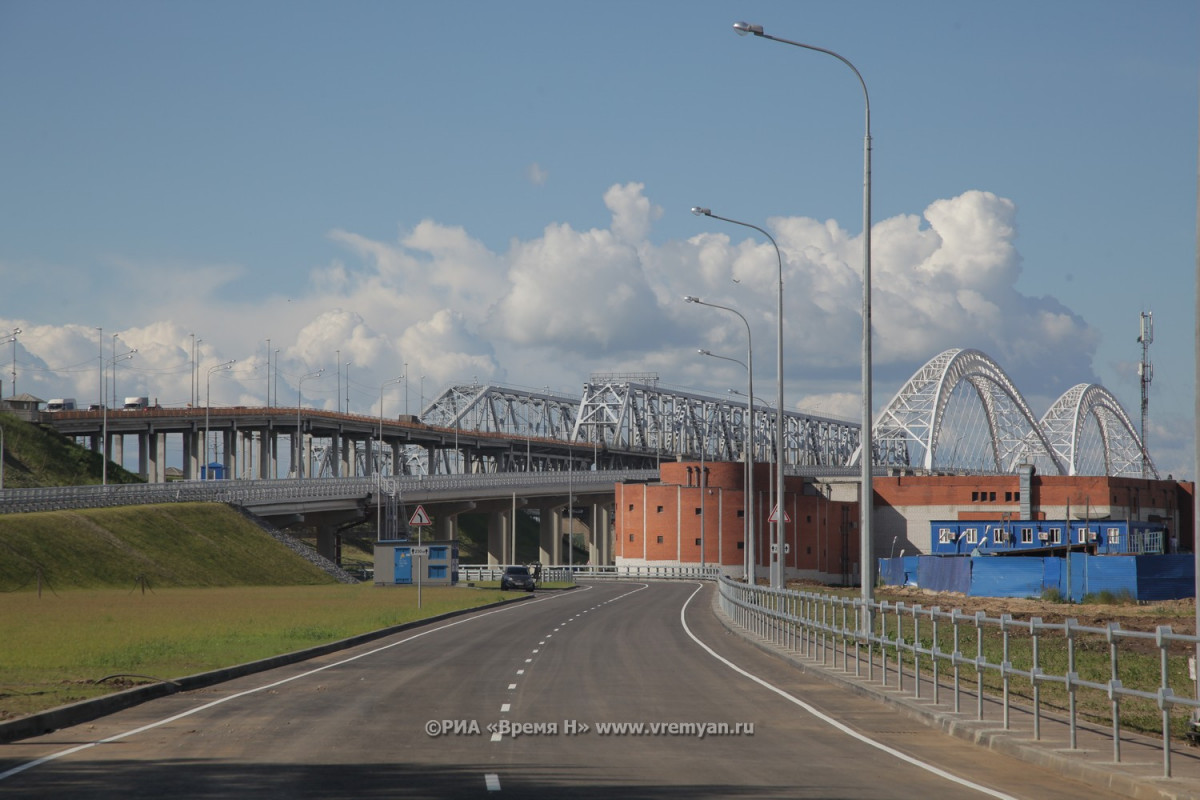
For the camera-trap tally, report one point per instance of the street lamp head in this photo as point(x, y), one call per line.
point(745, 28)
point(701, 212)
point(690, 298)
point(703, 352)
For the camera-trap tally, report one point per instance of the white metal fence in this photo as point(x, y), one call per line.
point(914, 644)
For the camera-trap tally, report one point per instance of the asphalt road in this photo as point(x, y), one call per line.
point(358, 723)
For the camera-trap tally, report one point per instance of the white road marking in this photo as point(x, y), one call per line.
point(492, 780)
point(504, 709)
point(37, 762)
point(830, 720)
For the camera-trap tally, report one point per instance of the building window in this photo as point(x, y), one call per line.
point(697, 543)
point(699, 511)
point(660, 509)
point(1114, 536)
point(631, 537)
point(631, 506)
point(1008, 497)
point(808, 517)
point(972, 535)
point(658, 539)
point(992, 496)
point(1016, 497)
point(741, 545)
point(1055, 535)
point(1026, 535)
point(741, 513)
point(974, 497)
point(945, 536)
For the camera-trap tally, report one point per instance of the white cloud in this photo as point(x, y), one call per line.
point(552, 309)
point(536, 175)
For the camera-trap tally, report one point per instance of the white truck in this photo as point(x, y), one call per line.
point(136, 403)
point(61, 404)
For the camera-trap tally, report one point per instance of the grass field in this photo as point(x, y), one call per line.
point(57, 647)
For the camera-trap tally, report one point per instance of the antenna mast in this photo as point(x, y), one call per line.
point(1145, 375)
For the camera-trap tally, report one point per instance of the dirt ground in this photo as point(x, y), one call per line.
point(1179, 614)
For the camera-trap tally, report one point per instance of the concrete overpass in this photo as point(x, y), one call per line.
point(328, 505)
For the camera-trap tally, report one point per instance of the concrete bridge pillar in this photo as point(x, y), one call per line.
point(143, 465)
point(118, 449)
point(191, 444)
point(229, 457)
point(346, 456)
point(154, 471)
point(329, 543)
point(264, 454)
point(550, 535)
point(500, 538)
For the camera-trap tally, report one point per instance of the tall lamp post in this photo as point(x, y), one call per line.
point(12, 337)
point(104, 423)
point(1, 457)
point(379, 466)
point(751, 541)
point(299, 430)
point(866, 450)
point(207, 385)
point(776, 573)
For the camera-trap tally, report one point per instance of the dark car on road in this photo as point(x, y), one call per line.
point(517, 578)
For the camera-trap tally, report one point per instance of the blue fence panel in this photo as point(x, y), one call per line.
point(891, 571)
point(1006, 577)
point(1166, 577)
point(1095, 574)
point(939, 574)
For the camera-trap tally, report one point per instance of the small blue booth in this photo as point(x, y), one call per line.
point(400, 562)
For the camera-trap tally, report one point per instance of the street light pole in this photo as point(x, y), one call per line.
point(12, 337)
point(751, 541)
point(379, 464)
point(207, 384)
point(299, 431)
point(104, 424)
point(866, 451)
point(776, 568)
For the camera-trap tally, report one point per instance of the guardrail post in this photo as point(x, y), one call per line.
point(1072, 679)
point(1005, 667)
point(1161, 634)
point(1114, 688)
point(1035, 672)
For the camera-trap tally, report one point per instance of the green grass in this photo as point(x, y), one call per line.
point(35, 456)
point(186, 544)
point(1138, 666)
point(58, 646)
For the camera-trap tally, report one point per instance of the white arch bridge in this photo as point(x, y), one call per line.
point(957, 412)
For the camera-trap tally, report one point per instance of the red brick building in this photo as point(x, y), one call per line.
point(665, 522)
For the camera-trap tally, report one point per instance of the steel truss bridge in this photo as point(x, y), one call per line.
point(958, 412)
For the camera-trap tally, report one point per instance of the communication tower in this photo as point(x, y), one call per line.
point(1145, 375)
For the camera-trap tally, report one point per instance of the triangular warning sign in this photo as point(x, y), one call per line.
point(775, 515)
point(419, 517)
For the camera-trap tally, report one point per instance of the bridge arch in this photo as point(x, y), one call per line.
point(908, 430)
point(1066, 425)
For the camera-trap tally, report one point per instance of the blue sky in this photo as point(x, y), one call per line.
point(500, 191)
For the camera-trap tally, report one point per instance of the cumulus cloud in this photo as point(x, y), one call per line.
point(536, 175)
point(552, 309)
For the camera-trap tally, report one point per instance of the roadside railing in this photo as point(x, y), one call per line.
point(569, 574)
point(250, 492)
point(493, 572)
point(1090, 673)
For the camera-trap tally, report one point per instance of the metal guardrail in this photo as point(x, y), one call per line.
point(569, 574)
point(823, 626)
point(249, 492)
